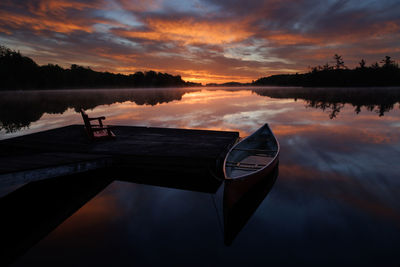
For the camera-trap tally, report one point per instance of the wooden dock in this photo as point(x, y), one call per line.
point(136, 153)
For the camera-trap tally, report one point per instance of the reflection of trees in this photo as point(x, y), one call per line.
point(19, 109)
point(333, 108)
point(332, 100)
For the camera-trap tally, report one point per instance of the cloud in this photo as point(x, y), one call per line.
point(189, 32)
point(16, 21)
point(203, 40)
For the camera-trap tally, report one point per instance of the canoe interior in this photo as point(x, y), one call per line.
point(252, 154)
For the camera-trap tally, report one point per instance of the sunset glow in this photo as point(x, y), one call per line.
point(203, 41)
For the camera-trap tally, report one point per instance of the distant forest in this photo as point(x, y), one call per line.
point(20, 72)
point(385, 74)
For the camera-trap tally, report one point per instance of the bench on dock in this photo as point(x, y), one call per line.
point(96, 131)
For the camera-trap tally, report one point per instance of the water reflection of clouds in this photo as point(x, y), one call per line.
point(334, 197)
point(93, 214)
point(191, 111)
point(337, 184)
point(213, 110)
point(332, 146)
point(351, 148)
point(251, 120)
point(353, 145)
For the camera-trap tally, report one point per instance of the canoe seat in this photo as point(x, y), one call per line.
point(244, 165)
point(96, 131)
point(258, 152)
point(255, 150)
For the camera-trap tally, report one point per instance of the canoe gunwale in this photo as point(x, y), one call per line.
point(270, 165)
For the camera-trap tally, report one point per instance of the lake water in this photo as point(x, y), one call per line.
point(335, 201)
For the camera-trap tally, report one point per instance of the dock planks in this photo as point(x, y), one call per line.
point(67, 150)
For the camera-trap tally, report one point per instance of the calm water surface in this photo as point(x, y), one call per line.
point(336, 199)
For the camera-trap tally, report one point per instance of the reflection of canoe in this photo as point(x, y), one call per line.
point(238, 211)
point(251, 159)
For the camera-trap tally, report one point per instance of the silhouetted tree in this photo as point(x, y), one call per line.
point(340, 75)
point(327, 66)
point(375, 65)
point(339, 62)
point(362, 63)
point(387, 62)
point(16, 69)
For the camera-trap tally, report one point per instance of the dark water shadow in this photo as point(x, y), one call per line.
point(193, 179)
point(237, 212)
point(33, 211)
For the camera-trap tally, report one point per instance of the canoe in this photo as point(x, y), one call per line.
point(255, 155)
point(249, 161)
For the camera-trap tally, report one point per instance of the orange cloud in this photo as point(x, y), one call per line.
point(57, 7)
point(283, 38)
point(388, 51)
point(48, 15)
point(40, 23)
point(4, 30)
point(189, 31)
point(204, 76)
point(385, 28)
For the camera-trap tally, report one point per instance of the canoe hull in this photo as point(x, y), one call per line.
point(235, 189)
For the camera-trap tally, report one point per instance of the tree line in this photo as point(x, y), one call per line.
point(385, 73)
point(20, 72)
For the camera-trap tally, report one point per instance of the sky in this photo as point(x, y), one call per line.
point(202, 40)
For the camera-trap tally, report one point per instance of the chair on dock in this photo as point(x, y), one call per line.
point(96, 131)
